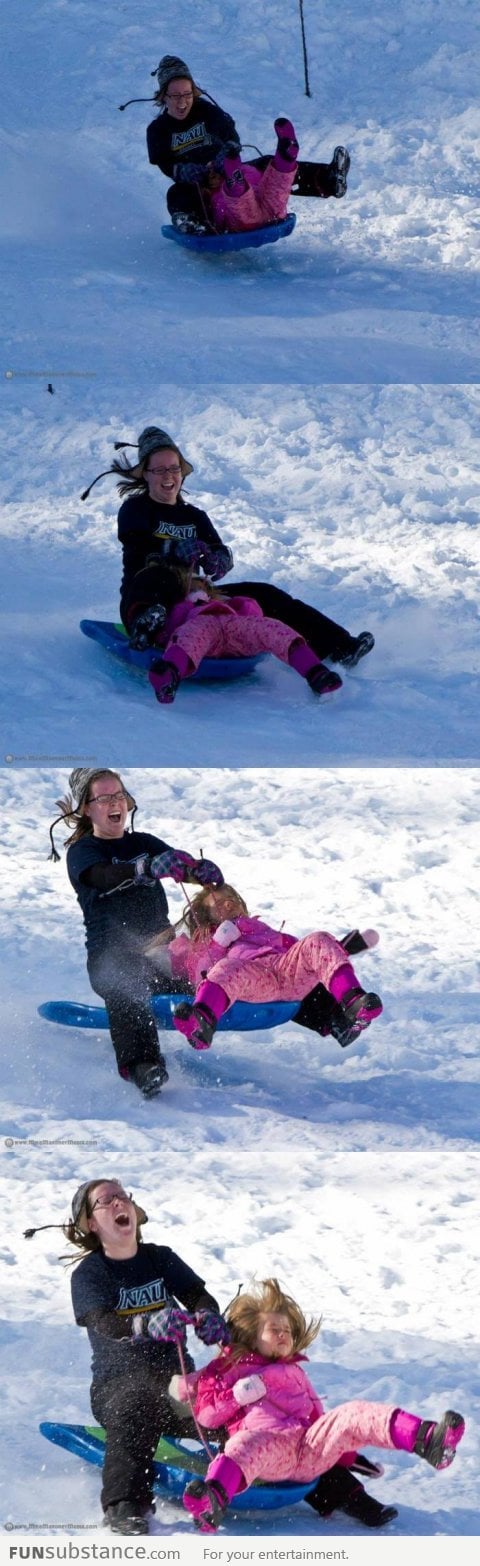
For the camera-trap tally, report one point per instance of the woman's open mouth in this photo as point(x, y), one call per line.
point(122, 1220)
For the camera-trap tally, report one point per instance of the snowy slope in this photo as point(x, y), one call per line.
point(394, 850)
point(380, 286)
point(372, 1241)
point(363, 501)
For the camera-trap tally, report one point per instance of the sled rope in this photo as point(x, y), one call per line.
point(304, 47)
point(199, 1431)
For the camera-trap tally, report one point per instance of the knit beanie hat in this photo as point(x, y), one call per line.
point(153, 439)
point(171, 69)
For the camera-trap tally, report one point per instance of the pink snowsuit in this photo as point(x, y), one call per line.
point(214, 628)
point(285, 1434)
point(264, 965)
point(265, 201)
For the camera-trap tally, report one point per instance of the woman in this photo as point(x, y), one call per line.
point(189, 141)
point(125, 1293)
point(117, 875)
point(161, 533)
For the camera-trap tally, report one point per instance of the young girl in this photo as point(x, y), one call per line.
point(277, 1427)
point(248, 960)
point(249, 198)
point(207, 624)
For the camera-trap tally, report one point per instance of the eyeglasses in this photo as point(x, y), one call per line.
point(107, 1201)
point(164, 472)
point(178, 97)
point(107, 799)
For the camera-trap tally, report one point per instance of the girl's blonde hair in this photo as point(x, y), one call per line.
point(198, 918)
point(265, 1299)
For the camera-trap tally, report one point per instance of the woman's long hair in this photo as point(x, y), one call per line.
point(245, 1314)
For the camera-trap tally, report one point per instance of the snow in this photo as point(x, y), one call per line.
point(359, 499)
point(378, 287)
point(326, 391)
point(352, 1175)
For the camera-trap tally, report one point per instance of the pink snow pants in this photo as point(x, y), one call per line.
point(305, 1454)
point(265, 202)
point(279, 975)
point(223, 635)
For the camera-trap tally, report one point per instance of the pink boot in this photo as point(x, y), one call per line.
point(287, 144)
point(356, 1009)
point(166, 673)
point(436, 1442)
point(198, 1020)
point(320, 679)
point(207, 1499)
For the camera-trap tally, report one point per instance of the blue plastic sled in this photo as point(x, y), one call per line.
point(174, 1465)
point(242, 1017)
point(214, 244)
point(115, 639)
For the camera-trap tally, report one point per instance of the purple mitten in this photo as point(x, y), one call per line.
point(169, 1325)
point(210, 1327)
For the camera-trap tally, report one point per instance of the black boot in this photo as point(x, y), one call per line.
point(149, 1076)
point(126, 1517)
point(339, 1490)
point(359, 647)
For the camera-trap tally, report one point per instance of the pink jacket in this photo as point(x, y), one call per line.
point(289, 1399)
point(191, 959)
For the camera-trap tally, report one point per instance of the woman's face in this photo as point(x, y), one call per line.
point(163, 476)
point(222, 904)
point(112, 1217)
point(274, 1338)
point(178, 98)
point(107, 807)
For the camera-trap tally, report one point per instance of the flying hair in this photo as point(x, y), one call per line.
point(267, 1298)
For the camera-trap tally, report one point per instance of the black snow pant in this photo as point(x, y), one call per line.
point(325, 178)
point(188, 199)
point(156, 584)
point(334, 1490)
point(127, 981)
point(135, 1411)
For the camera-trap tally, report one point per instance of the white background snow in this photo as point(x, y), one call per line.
point(381, 286)
point(323, 390)
point(361, 500)
point(351, 1174)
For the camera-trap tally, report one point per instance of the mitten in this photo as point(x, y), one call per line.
point(226, 933)
point(183, 551)
point(249, 1390)
point(169, 1325)
point(210, 1327)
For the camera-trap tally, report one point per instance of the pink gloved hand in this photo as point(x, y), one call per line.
point(249, 1390)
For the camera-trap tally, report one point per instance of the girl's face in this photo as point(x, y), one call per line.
point(163, 476)
point(113, 1218)
point(274, 1338)
point(107, 807)
point(179, 98)
point(222, 904)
